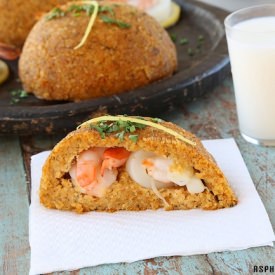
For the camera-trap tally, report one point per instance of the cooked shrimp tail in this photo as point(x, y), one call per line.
point(9, 52)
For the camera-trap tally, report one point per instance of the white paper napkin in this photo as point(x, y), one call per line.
point(66, 241)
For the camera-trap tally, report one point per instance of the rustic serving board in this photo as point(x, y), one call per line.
point(203, 63)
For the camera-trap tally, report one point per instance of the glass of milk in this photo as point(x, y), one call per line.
point(250, 37)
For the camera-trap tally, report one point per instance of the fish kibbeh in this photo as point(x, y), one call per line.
point(124, 50)
point(114, 163)
point(17, 17)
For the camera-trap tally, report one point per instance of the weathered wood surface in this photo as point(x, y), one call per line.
point(14, 205)
point(213, 116)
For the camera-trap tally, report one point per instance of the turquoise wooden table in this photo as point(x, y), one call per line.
point(212, 116)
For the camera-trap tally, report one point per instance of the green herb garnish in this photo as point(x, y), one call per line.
point(55, 13)
point(76, 10)
point(17, 95)
point(200, 38)
point(99, 129)
point(120, 135)
point(120, 126)
point(107, 9)
point(200, 43)
point(133, 138)
point(76, 14)
point(109, 20)
point(184, 41)
point(89, 9)
point(157, 120)
point(190, 52)
point(173, 37)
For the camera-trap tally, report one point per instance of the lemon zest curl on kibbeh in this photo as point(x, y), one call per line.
point(90, 25)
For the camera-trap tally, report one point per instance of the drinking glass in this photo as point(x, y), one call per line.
point(250, 34)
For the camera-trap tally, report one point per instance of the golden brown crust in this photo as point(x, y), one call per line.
point(112, 60)
point(57, 191)
point(17, 17)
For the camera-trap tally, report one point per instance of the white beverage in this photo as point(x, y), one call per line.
point(251, 46)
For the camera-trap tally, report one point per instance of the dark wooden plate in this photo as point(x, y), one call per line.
point(203, 63)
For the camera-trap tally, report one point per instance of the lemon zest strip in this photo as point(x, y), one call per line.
point(91, 23)
point(140, 121)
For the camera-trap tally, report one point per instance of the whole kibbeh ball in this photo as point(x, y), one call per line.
point(125, 49)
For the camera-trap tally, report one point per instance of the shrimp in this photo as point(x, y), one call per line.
point(144, 167)
point(145, 4)
point(9, 52)
point(86, 166)
point(157, 168)
point(114, 158)
point(138, 165)
point(141, 4)
point(95, 169)
point(102, 182)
